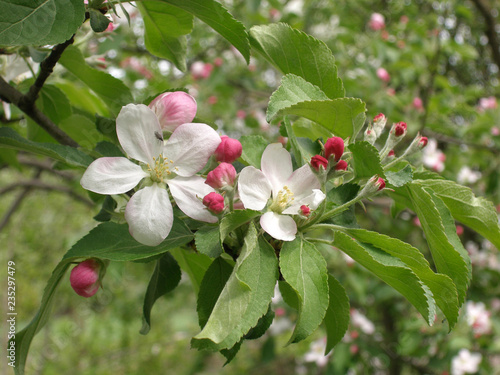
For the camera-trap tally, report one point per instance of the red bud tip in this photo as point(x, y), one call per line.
point(341, 166)
point(380, 183)
point(305, 210)
point(400, 129)
point(334, 146)
point(379, 117)
point(318, 162)
point(391, 153)
point(214, 202)
point(423, 142)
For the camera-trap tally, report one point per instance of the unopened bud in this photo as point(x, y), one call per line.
point(373, 185)
point(416, 145)
point(379, 122)
point(214, 202)
point(84, 278)
point(229, 150)
point(380, 183)
point(222, 176)
point(399, 129)
point(341, 166)
point(391, 154)
point(334, 146)
point(305, 210)
point(174, 109)
point(422, 142)
point(370, 135)
point(319, 162)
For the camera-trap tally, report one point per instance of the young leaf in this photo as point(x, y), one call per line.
point(337, 315)
point(217, 17)
point(304, 269)
point(447, 251)
point(165, 278)
point(68, 155)
point(253, 147)
point(110, 89)
point(392, 271)
point(113, 241)
point(399, 178)
point(234, 220)
point(245, 297)
point(475, 212)
point(194, 264)
point(366, 160)
point(442, 287)
point(207, 241)
point(39, 22)
point(292, 51)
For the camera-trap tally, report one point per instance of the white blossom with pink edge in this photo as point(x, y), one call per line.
point(465, 362)
point(432, 157)
point(316, 353)
point(149, 212)
point(288, 189)
point(478, 318)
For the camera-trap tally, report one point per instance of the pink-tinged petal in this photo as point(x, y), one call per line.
point(149, 215)
point(114, 175)
point(302, 181)
point(174, 109)
point(281, 227)
point(312, 201)
point(186, 191)
point(190, 147)
point(253, 188)
point(139, 132)
point(276, 164)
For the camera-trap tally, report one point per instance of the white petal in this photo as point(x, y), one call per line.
point(138, 130)
point(276, 164)
point(253, 188)
point(190, 146)
point(149, 215)
point(281, 227)
point(112, 176)
point(313, 200)
point(302, 182)
point(186, 191)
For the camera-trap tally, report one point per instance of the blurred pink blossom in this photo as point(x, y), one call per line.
point(201, 70)
point(383, 75)
point(487, 103)
point(432, 157)
point(377, 22)
point(465, 362)
point(478, 318)
point(418, 104)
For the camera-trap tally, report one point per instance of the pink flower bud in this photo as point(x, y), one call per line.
point(391, 153)
point(222, 176)
point(377, 22)
point(241, 114)
point(212, 100)
point(318, 162)
point(399, 129)
point(229, 150)
point(173, 109)
point(380, 183)
point(214, 202)
point(334, 146)
point(84, 278)
point(418, 103)
point(341, 166)
point(422, 142)
point(460, 230)
point(380, 118)
point(305, 210)
point(383, 75)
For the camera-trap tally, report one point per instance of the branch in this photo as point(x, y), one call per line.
point(45, 165)
point(490, 24)
point(456, 141)
point(26, 103)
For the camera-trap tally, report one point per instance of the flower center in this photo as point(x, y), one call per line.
point(283, 200)
point(161, 169)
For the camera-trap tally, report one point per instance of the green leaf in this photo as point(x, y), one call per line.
point(24, 338)
point(108, 207)
point(293, 90)
point(82, 130)
point(293, 51)
point(207, 241)
point(253, 148)
point(337, 315)
point(165, 26)
point(113, 241)
point(447, 251)
point(234, 220)
point(392, 271)
point(165, 278)
point(475, 212)
point(194, 264)
point(399, 178)
point(211, 287)
point(39, 22)
point(98, 21)
point(366, 160)
point(262, 326)
point(442, 287)
point(217, 17)
point(66, 154)
point(245, 297)
point(304, 269)
point(110, 89)
point(54, 103)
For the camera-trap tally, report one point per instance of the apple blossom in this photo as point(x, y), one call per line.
point(149, 212)
point(383, 75)
point(229, 150)
point(84, 278)
point(288, 190)
point(377, 22)
point(362, 322)
point(433, 157)
point(478, 317)
point(465, 362)
point(173, 109)
point(316, 353)
point(418, 103)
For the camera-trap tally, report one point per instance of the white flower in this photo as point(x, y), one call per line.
point(468, 176)
point(433, 157)
point(465, 363)
point(288, 189)
point(316, 353)
point(149, 212)
point(478, 317)
point(362, 322)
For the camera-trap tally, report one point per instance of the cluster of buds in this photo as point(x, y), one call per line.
point(330, 165)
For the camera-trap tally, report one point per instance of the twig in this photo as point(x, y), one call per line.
point(46, 165)
point(490, 25)
point(456, 141)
